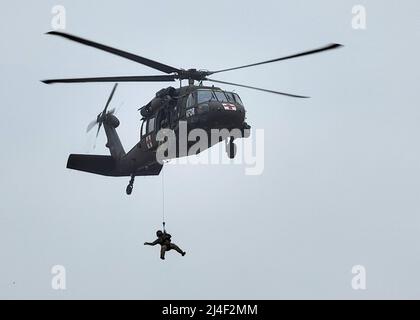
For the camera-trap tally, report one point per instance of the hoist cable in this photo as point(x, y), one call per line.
point(163, 200)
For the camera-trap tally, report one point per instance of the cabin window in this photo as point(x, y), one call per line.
point(205, 96)
point(163, 120)
point(151, 125)
point(143, 128)
point(190, 101)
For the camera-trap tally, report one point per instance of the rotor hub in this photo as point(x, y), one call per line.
point(193, 74)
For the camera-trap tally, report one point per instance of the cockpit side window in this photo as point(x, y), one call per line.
point(150, 125)
point(238, 99)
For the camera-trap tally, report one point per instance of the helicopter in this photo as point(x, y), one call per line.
point(199, 106)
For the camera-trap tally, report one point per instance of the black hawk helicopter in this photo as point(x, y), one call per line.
point(205, 107)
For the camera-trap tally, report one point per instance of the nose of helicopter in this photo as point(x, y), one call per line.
point(223, 115)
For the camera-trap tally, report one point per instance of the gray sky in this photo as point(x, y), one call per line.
point(341, 180)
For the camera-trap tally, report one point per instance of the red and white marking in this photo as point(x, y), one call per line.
point(229, 106)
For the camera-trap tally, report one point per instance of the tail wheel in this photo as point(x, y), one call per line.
point(130, 186)
point(231, 149)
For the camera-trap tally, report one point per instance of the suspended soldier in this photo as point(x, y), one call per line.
point(164, 239)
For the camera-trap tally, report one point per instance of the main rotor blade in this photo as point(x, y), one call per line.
point(147, 62)
point(259, 89)
point(305, 53)
point(163, 78)
point(110, 98)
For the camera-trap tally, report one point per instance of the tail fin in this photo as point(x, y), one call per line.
point(114, 143)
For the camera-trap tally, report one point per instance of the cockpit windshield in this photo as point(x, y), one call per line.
point(206, 95)
point(220, 96)
point(230, 97)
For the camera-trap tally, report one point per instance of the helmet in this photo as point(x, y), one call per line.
point(159, 233)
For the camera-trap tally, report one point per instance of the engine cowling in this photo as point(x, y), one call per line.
point(161, 98)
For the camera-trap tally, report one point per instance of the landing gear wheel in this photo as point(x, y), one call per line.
point(231, 149)
point(130, 186)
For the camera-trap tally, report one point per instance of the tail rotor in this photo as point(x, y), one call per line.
point(102, 116)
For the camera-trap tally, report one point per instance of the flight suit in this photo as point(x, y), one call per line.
point(164, 240)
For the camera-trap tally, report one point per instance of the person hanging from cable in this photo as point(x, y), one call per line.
point(164, 239)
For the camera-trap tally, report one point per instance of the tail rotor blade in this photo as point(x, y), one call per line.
point(110, 98)
point(117, 109)
point(101, 117)
point(99, 129)
point(91, 125)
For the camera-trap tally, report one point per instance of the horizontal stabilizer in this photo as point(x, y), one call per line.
point(103, 165)
point(106, 166)
point(150, 170)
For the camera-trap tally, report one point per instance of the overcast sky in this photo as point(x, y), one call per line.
point(341, 173)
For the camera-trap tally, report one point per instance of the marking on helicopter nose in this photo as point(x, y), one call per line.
point(229, 106)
